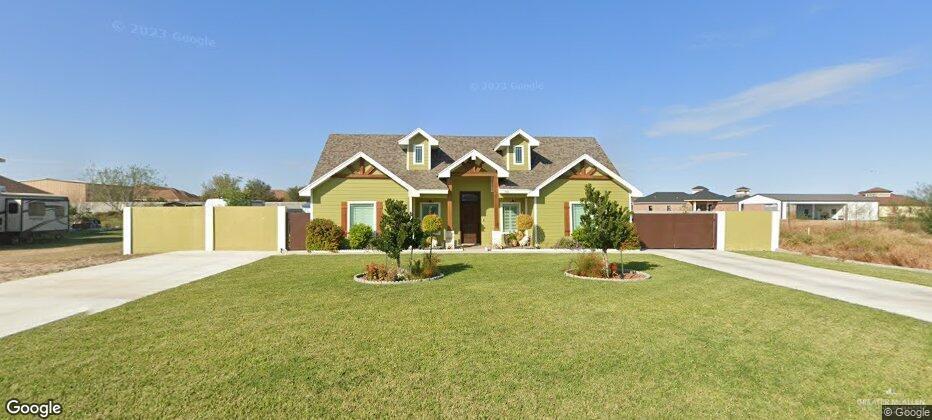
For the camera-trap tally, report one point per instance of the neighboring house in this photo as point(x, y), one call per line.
point(891, 204)
point(477, 184)
point(793, 206)
point(81, 192)
point(701, 199)
point(11, 186)
point(815, 206)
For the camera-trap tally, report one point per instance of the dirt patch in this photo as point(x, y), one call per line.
point(76, 251)
point(874, 242)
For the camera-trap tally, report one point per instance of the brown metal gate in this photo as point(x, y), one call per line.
point(297, 229)
point(676, 231)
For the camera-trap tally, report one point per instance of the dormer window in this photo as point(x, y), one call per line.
point(417, 146)
point(419, 154)
point(519, 155)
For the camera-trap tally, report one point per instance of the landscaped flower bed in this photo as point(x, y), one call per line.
point(425, 269)
point(361, 278)
point(593, 266)
point(629, 275)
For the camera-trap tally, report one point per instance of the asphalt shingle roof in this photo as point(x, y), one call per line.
point(18, 187)
point(553, 154)
point(678, 197)
point(817, 197)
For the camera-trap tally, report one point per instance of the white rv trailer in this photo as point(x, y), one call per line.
point(24, 217)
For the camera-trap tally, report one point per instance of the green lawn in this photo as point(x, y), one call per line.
point(71, 238)
point(501, 335)
point(907, 276)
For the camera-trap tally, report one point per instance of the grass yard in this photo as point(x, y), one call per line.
point(501, 335)
point(907, 276)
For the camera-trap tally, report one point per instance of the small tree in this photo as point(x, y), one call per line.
point(256, 189)
point(399, 231)
point(118, 186)
point(221, 186)
point(293, 194)
point(431, 225)
point(524, 222)
point(604, 224)
point(924, 193)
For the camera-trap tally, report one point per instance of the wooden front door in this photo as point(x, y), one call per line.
point(469, 217)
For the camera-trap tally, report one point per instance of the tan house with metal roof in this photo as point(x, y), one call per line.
point(477, 184)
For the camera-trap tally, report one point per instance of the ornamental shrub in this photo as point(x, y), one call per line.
point(323, 235)
point(381, 272)
point(359, 236)
point(567, 242)
point(524, 222)
point(589, 264)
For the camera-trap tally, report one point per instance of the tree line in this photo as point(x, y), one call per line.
point(118, 185)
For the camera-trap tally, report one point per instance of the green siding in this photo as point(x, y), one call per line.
point(550, 219)
point(245, 228)
point(509, 155)
point(328, 195)
point(432, 198)
point(418, 140)
point(165, 229)
point(484, 186)
point(748, 230)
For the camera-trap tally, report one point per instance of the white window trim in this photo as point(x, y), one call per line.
point(501, 214)
point(515, 155)
point(421, 208)
point(572, 203)
point(349, 206)
point(414, 154)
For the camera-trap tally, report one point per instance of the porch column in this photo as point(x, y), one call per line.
point(495, 203)
point(450, 204)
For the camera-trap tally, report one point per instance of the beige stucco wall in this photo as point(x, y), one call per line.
point(748, 230)
point(75, 191)
point(550, 213)
point(245, 228)
point(167, 229)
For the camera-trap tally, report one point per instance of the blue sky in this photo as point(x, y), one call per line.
point(813, 96)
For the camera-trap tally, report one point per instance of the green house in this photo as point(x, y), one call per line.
point(477, 184)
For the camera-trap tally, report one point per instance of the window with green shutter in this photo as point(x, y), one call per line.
point(362, 213)
point(510, 213)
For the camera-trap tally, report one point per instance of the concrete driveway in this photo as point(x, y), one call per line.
point(28, 303)
point(907, 299)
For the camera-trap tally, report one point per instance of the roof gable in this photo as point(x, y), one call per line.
point(532, 142)
point(473, 155)
point(553, 154)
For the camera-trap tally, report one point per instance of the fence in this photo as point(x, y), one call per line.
point(751, 230)
point(164, 229)
point(725, 230)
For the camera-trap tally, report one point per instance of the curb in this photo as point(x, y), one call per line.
point(646, 277)
point(361, 278)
